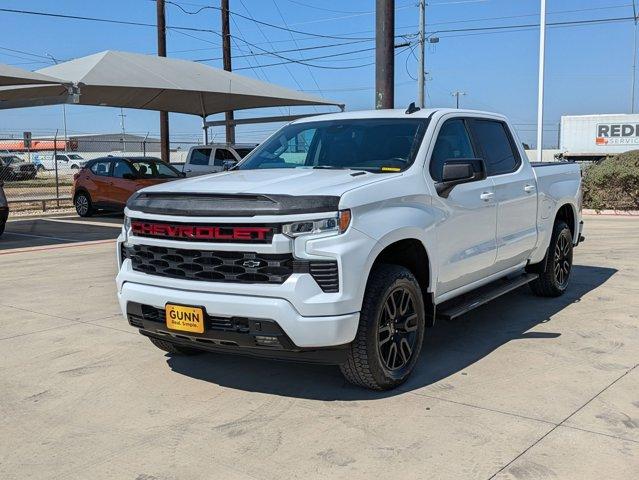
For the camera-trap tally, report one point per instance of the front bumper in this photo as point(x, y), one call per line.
point(298, 332)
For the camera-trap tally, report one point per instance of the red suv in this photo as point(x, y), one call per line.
point(107, 183)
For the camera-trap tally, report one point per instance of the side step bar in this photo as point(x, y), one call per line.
point(464, 303)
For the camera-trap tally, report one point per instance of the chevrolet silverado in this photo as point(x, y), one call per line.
point(342, 237)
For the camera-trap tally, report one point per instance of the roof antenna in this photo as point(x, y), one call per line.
point(412, 108)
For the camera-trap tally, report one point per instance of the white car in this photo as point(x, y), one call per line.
point(214, 158)
point(65, 161)
point(342, 237)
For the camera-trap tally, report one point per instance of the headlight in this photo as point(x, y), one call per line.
point(126, 227)
point(337, 223)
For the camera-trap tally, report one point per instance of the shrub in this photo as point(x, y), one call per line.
point(613, 183)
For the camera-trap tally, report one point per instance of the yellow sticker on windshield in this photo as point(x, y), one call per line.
point(391, 169)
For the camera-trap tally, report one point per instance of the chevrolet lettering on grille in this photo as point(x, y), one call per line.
point(201, 232)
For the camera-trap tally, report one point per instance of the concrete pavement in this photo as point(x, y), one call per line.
point(521, 388)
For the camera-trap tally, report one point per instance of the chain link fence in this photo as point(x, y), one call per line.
point(40, 177)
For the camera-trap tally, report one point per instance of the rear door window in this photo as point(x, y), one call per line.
point(221, 155)
point(453, 142)
point(102, 168)
point(121, 168)
point(200, 156)
point(496, 145)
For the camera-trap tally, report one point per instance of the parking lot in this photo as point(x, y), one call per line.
point(523, 388)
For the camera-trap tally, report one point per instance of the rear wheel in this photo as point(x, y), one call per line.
point(391, 330)
point(83, 204)
point(553, 279)
point(173, 348)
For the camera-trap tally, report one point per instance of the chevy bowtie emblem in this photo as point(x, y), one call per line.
point(251, 263)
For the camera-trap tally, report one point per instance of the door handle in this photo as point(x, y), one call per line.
point(486, 196)
point(188, 170)
point(529, 188)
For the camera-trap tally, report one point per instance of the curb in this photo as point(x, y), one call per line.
point(619, 213)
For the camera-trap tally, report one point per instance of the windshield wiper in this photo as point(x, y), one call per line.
point(328, 167)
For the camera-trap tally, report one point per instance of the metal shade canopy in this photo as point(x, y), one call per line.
point(131, 80)
point(10, 76)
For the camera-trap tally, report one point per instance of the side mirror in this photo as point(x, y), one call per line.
point(228, 164)
point(129, 176)
point(458, 171)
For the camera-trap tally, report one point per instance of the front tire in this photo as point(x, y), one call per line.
point(391, 330)
point(83, 204)
point(173, 348)
point(553, 280)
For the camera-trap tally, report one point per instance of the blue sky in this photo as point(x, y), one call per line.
point(588, 68)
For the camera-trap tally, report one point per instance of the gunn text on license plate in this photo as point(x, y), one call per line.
point(186, 319)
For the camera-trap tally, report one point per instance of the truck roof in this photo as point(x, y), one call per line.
point(392, 113)
point(226, 145)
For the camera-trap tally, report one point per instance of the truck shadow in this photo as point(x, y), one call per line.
point(48, 232)
point(449, 347)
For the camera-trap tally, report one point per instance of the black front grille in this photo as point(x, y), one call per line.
point(241, 267)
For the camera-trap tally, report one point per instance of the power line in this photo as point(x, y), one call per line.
point(299, 85)
point(315, 47)
point(260, 22)
point(325, 66)
point(510, 17)
point(101, 20)
point(320, 8)
point(304, 60)
point(310, 72)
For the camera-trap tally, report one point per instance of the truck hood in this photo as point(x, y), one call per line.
point(293, 181)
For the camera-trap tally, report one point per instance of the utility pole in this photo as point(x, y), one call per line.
point(165, 151)
point(384, 54)
point(422, 61)
point(634, 58)
point(540, 99)
point(457, 94)
point(122, 117)
point(226, 60)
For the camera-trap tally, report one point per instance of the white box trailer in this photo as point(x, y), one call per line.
point(594, 137)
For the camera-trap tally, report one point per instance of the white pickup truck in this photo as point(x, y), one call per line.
point(343, 237)
point(214, 157)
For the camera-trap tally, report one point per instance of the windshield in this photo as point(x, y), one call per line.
point(73, 156)
point(376, 145)
point(243, 152)
point(151, 169)
point(11, 160)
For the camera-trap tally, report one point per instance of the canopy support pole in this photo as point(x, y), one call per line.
point(205, 127)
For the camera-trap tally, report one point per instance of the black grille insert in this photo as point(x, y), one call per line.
point(239, 267)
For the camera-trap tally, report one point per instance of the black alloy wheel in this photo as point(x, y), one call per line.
point(554, 271)
point(391, 330)
point(397, 332)
point(562, 261)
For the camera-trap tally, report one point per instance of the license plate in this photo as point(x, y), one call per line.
point(186, 319)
